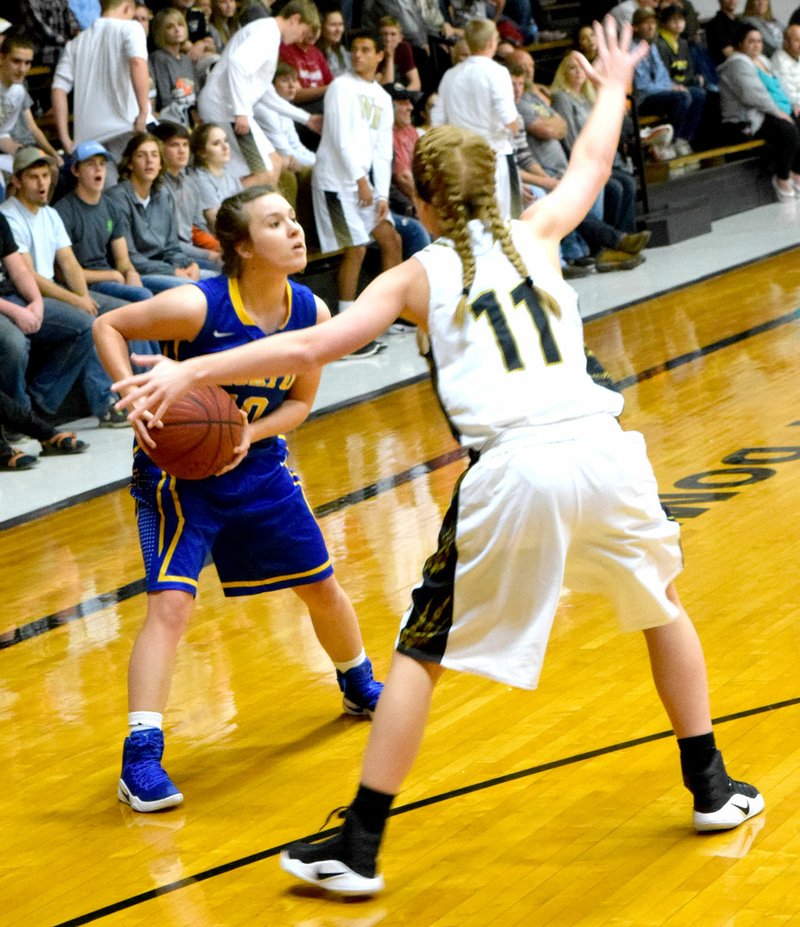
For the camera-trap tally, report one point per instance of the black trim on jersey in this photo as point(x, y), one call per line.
point(338, 222)
point(424, 635)
point(250, 152)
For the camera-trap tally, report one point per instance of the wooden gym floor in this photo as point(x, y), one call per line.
point(560, 807)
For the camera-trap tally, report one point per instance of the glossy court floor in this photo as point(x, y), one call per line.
point(559, 807)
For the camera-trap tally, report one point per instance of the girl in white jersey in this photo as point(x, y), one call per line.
point(556, 489)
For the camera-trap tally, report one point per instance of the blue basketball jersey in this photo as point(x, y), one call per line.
point(228, 325)
point(254, 520)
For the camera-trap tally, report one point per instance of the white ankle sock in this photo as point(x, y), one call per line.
point(345, 304)
point(138, 720)
point(350, 664)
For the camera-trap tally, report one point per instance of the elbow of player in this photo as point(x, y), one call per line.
point(307, 354)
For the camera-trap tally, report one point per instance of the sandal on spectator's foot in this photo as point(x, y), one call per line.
point(15, 459)
point(65, 442)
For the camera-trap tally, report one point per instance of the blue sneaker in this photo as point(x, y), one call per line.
point(360, 691)
point(143, 784)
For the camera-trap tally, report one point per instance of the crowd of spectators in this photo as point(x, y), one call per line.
point(161, 109)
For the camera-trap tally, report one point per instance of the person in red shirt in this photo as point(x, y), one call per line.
point(404, 138)
point(312, 68)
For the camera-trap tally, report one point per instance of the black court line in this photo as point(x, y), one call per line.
point(258, 857)
point(121, 484)
point(137, 587)
point(391, 482)
point(62, 504)
point(708, 349)
point(676, 288)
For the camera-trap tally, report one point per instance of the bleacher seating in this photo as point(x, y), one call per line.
point(685, 195)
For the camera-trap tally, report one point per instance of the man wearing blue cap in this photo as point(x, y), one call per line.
point(60, 310)
point(92, 222)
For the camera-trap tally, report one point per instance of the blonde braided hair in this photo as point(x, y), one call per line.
point(454, 171)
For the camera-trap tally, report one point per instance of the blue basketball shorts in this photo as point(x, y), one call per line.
point(254, 522)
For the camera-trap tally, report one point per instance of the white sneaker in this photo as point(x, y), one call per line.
point(745, 802)
point(663, 153)
point(656, 135)
point(784, 196)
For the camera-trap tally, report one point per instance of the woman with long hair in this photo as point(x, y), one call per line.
point(331, 42)
point(572, 97)
point(222, 22)
point(149, 222)
point(754, 105)
point(555, 490)
point(759, 15)
point(252, 517)
point(213, 178)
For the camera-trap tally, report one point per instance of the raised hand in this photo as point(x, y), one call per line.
point(616, 57)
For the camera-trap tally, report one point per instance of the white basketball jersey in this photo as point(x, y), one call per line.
point(510, 362)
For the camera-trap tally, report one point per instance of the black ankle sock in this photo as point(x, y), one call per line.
point(697, 752)
point(372, 808)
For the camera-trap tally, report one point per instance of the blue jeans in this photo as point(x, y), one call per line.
point(66, 355)
point(573, 247)
point(412, 233)
point(124, 293)
point(620, 201)
point(157, 283)
point(198, 255)
point(684, 111)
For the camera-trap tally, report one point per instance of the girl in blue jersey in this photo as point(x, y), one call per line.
point(252, 517)
point(555, 489)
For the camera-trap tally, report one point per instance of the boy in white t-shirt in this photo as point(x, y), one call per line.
point(105, 67)
point(353, 170)
point(477, 94)
point(16, 57)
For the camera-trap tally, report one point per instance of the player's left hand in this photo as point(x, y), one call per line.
point(142, 427)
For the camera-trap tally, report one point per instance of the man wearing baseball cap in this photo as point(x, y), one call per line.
point(42, 240)
point(404, 137)
point(93, 223)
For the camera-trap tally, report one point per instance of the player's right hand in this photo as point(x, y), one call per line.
point(241, 449)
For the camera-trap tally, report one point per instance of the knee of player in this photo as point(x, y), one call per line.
point(170, 611)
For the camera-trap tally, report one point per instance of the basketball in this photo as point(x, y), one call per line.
point(200, 432)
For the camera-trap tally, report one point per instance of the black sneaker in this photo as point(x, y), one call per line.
point(345, 863)
point(721, 803)
point(113, 418)
point(573, 271)
point(369, 350)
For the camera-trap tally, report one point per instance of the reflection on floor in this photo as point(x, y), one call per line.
point(59, 481)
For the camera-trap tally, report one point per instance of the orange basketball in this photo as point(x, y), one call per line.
point(200, 432)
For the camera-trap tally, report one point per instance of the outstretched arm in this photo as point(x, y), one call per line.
point(403, 289)
point(594, 149)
